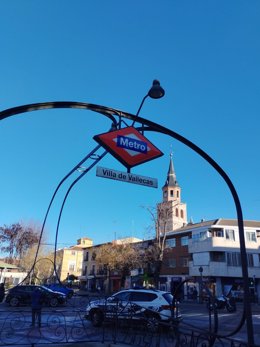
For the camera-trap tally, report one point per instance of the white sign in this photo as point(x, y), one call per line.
point(127, 177)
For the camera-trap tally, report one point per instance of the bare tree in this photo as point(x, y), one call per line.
point(16, 239)
point(122, 257)
point(155, 252)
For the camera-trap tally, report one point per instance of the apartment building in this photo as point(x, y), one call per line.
point(215, 253)
point(70, 259)
point(95, 276)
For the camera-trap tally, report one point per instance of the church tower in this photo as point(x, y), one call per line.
point(172, 212)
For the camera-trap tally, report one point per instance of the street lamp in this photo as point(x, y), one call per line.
point(155, 92)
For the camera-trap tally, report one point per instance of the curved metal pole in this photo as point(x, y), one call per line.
point(65, 198)
point(109, 112)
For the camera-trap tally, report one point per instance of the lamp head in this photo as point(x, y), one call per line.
point(156, 91)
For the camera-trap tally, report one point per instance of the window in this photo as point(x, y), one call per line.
point(184, 261)
point(250, 260)
point(230, 234)
point(217, 256)
point(233, 259)
point(203, 235)
point(171, 193)
point(73, 252)
point(124, 296)
point(184, 240)
point(177, 212)
point(219, 233)
point(71, 266)
point(178, 194)
point(182, 214)
point(170, 243)
point(250, 236)
point(86, 256)
point(171, 262)
point(141, 296)
point(93, 270)
point(93, 256)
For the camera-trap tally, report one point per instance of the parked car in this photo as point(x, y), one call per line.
point(56, 287)
point(22, 295)
point(146, 305)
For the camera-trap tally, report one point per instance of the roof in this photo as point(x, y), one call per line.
point(192, 226)
point(4, 265)
point(215, 222)
point(233, 222)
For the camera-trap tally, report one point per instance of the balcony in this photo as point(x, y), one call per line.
point(217, 244)
point(220, 269)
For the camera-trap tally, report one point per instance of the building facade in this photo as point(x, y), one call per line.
point(95, 275)
point(70, 259)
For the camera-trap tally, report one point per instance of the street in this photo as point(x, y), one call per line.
point(67, 323)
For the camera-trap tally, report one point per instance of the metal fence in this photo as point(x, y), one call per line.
point(67, 325)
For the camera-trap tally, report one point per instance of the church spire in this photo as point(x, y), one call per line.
point(171, 180)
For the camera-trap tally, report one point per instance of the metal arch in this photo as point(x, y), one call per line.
point(151, 126)
point(106, 111)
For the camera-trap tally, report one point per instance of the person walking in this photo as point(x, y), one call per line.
point(2, 291)
point(37, 300)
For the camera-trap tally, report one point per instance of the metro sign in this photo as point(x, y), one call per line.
point(129, 146)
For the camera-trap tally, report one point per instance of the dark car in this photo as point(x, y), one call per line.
point(22, 295)
point(56, 287)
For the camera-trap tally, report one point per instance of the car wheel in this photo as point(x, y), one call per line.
point(96, 318)
point(14, 302)
point(152, 323)
point(54, 302)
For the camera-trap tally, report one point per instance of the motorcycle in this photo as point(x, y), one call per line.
point(222, 302)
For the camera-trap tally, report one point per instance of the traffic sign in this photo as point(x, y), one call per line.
point(126, 177)
point(129, 146)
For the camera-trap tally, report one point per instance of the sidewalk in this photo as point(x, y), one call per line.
point(88, 344)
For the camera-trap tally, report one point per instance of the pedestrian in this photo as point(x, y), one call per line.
point(2, 291)
point(37, 300)
point(195, 293)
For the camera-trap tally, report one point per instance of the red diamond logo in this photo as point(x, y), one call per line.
point(128, 146)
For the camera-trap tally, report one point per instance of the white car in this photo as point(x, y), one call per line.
point(148, 305)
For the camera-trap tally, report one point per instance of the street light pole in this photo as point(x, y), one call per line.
point(201, 283)
point(155, 92)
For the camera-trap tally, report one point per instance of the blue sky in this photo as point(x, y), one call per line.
point(206, 55)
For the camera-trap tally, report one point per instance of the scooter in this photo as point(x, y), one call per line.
point(222, 302)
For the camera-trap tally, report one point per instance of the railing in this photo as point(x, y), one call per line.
point(67, 324)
